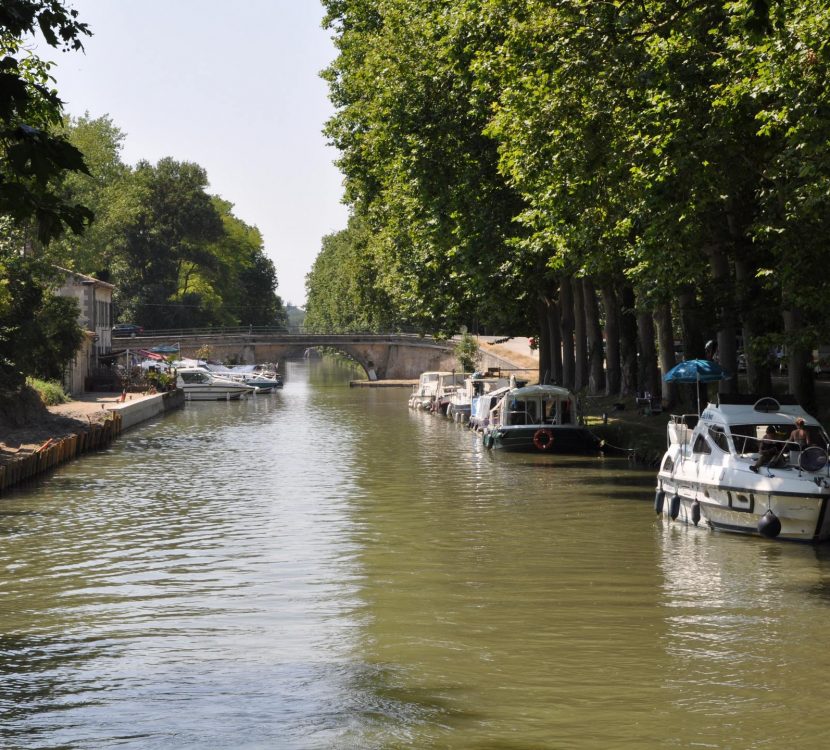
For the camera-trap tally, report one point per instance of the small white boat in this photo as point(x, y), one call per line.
point(481, 407)
point(478, 384)
point(200, 384)
point(711, 473)
point(449, 383)
point(541, 418)
point(264, 380)
point(424, 393)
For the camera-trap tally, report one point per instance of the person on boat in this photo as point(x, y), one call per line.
point(799, 435)
point(771, 451)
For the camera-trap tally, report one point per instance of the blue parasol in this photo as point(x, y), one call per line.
point(696, 371)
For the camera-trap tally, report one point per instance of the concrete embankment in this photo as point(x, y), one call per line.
point(27, 462)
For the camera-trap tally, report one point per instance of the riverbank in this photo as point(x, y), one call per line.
point(31, 426)
point(35, 438)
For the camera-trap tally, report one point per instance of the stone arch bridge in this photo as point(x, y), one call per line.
point(384, 356)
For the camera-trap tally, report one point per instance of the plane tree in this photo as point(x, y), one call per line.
point(418, 168)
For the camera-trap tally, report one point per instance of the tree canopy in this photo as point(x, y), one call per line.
point(672, 153)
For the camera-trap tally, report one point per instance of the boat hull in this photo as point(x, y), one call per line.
point(803, 516)
point(212, 393)
point(542, 439)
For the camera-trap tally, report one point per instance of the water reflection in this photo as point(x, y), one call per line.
point(741, 634)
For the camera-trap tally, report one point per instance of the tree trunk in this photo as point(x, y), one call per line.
point(648, 375)
point(665, 337)
point(800, 377)
point(566, 320)
point(580, 342)
point(555, 342)
point(691, 323)
point(612, 339)
point(727, 331)
point(543, 341)
point(758, 376)
point(628, 341)
point(596, 354)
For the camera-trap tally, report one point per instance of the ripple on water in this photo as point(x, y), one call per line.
point(325, 568)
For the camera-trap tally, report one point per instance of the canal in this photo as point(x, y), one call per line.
point(324, 568)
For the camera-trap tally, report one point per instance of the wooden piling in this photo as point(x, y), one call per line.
point(57, 451)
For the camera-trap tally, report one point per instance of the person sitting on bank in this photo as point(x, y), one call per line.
point(799, 435)
point(770, 452)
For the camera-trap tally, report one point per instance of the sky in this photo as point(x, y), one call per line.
point(234, 87)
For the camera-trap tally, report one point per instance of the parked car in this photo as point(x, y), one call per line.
point(126, 329)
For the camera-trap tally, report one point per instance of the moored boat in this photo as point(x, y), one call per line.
point(478, 384)
point(424, 393)
point(200, 384)
point(449, 383)
point(538, 418)
point(738, 468)
point(264, 381)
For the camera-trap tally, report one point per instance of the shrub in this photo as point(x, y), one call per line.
point(51, 392)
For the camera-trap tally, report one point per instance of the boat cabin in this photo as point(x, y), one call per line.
point(194, 376)
point(536, 405)
point(737, 425)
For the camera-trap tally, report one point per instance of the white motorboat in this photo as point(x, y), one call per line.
point(539, 418)
point(476, 385)
point(449, 383)
point(200, 384)
point(481, 407)
point(264, 380)
point(712, 473)
point(424, 393)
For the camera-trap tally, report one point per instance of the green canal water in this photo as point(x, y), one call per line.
point(324, 568)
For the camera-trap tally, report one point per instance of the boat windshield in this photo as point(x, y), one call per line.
point(747, 437)
point(194, 377)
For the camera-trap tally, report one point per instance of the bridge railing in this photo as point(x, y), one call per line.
point(173, 333)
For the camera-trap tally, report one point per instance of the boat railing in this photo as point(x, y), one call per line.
point(680, 428)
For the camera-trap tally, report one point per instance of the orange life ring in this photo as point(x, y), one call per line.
point(543, 439)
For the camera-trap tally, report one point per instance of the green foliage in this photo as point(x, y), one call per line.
point(51, 391)
point(39, 333)
point(33, 157)
point(466, 350)
point(177, 256)
point(419, 170)
point(342, 290)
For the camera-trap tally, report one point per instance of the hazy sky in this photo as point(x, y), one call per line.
point(232, 86)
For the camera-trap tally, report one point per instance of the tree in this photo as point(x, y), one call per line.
point(170, 233)
point(106, 188)
point(342, 288)
point(32, 156)
point(420, 172)
point(39, 333)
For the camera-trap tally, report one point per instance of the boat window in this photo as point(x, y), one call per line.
point(745, 438)
point(701, 446)
point(668, 464)
point(194, 377)
point(549, 410)
point(767, 405)
point(719, 438)
point(566, 412)
point(522, 412)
